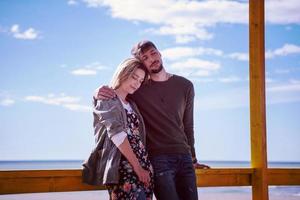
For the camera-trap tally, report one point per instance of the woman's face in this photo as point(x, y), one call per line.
point(133, 82)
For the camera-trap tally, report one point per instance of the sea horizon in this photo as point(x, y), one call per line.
point(77, 164)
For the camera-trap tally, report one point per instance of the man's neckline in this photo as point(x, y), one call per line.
point(169, 78)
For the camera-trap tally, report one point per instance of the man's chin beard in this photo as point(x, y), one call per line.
point(155, 71)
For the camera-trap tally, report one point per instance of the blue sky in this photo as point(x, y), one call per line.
point(53, 55)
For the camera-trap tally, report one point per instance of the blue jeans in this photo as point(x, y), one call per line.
point(174, 177)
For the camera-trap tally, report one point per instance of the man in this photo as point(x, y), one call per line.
point(166, 103)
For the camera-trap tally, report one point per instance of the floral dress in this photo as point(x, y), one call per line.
point(129, 186)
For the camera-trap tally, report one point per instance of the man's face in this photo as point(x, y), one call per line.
point(151, 58)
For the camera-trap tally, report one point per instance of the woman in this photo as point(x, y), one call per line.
point(120, 160)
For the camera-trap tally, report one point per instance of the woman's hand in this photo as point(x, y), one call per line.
point(126, 150)
point(143, 175)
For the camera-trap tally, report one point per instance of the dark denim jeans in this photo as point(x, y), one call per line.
point(174, 177)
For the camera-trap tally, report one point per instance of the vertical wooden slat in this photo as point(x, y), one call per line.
point(257, 101)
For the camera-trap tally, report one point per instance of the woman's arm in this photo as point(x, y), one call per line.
point(108, 116)
point(126, 150)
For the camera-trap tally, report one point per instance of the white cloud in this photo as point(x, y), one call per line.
point(228, 99)
point(29, 34)
point(182, 61)
point(203, 13)
point(192, 67)
point(294, 81)
point(202, 80)
point(287, 49)
point(52, 99)
point(239, 97)
point(285, 88)
point(284, 93)
point(176, 53)
point(185, 20)
point(269, 54)
point(72, 2)
point(229, 79)
point(78, 107)
point(7, 101)
point(282, 71)
point(282, 11)
point(69, 102)
point(194, 63)
point(15, 28)
point(283, 51)
point(188, 20)
point(270, 80)
point(88, 70)
point(184, 33)
point(239, 56)
point(63, 65)
point(84, 72)
point(93, 3)
point(201, 73)
point(182, 39)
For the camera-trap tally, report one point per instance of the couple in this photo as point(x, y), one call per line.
point(147, 108)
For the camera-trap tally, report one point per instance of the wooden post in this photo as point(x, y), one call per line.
point(257, 101)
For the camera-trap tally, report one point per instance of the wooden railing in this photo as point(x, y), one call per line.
point(32, 181)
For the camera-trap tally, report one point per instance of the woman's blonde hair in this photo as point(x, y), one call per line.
point(124, 70)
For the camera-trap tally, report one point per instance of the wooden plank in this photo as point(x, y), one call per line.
point(224, 177)
point(284, 176)
point(40, 173)
point(31, 181)
point(257, 100)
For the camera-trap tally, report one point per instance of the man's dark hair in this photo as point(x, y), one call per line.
point(141, 47)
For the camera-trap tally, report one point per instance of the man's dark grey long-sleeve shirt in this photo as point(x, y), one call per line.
point(167, 109)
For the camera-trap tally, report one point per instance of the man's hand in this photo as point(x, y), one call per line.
point(104, 93)
point(201, 166)
point(197, 165)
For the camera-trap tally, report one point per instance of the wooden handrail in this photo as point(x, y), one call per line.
point(31, 181)
point(283, 176)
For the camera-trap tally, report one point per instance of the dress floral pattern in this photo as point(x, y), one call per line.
point(129, 186)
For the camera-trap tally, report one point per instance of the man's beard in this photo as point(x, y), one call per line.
point(155, 71)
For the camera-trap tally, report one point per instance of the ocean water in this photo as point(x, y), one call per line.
point(76, 164)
